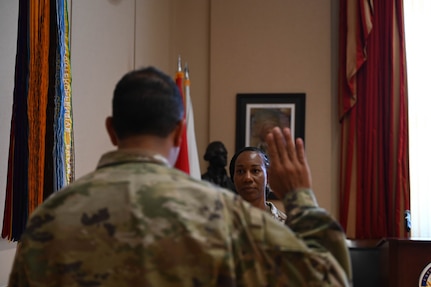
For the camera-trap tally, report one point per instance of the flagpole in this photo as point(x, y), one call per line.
point(182, 162)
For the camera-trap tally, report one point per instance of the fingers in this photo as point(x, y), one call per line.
point(289, 145)
point(275, 152)
point(280, 146)
point(289, 167)
point(276, 147)
point(271, 147)
point(300, 151)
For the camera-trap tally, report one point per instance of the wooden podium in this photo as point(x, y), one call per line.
point(403, 260)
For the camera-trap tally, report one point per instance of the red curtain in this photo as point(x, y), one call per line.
point(374, 178)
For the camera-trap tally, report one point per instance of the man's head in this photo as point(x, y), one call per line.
point(146, 103)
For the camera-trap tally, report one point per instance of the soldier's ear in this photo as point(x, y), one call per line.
point(111, 131)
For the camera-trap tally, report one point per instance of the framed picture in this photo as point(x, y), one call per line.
point(258, 113)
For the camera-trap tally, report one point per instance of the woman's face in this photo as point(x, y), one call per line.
point(250, 176)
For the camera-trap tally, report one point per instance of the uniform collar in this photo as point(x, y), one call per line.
point(131, 155)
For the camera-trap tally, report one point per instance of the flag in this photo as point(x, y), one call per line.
point(188, 160)
point(182, 162)
point(195, 170)
point(356, 24)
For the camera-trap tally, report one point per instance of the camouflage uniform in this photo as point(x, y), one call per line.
point(275, 212)
point(136, 222)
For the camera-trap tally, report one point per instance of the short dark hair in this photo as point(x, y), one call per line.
point(146, 101)
point(248, 148)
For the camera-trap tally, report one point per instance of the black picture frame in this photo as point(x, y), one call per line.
point(257, 111)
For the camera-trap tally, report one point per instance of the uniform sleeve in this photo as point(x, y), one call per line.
point(309, 249)
point(316, 227)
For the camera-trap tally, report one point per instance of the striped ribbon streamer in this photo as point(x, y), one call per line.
point(18, 151)
point(63, 127)
point(37, 98)
point(41, 137)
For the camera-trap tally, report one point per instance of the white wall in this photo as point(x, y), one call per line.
point(102, 50)
point(131, 34)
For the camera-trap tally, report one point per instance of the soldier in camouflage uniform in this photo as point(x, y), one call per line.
point(136, 221)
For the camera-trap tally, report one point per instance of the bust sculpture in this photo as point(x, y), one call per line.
point(216, 155)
